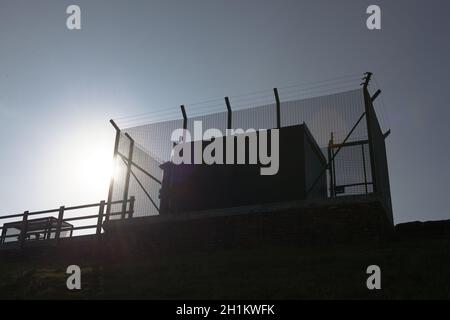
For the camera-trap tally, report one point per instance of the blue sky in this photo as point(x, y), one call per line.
point(59, 88)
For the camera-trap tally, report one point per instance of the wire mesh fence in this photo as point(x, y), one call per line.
point(330, 110)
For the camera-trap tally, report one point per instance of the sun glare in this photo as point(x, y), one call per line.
point(88, 169)
point(96, 168)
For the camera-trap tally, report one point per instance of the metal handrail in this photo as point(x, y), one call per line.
point(101, 215)
point(91, 205)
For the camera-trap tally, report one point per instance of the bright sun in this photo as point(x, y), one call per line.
point(79, 166)
point(95, 169)
point(88, 167)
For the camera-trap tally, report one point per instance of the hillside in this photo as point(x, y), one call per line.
point(414, 260)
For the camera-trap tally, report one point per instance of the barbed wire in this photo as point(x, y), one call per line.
point(242, 100)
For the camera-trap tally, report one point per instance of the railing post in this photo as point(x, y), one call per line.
point(48, 230)
point(24, 229)
point(2, 239)
point(131, 208)
point(108, 213)
point(59, 223)
point(101, 211)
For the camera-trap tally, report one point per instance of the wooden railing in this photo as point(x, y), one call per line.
point(62, 224)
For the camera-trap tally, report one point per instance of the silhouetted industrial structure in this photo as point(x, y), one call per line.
point(193, 187)
point(331, 146)
point(344, 134)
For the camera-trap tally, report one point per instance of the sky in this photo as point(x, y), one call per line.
point(59, 87)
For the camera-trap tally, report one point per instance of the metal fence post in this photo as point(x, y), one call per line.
point(330, 165)
point(111, 182)
point(364, 167)
point(101, 211)
point(183, 112)
point(229, 113)
point(59, 223)
point(368, 110)
point(24, 229)
point(127, 178)
point(277, 100)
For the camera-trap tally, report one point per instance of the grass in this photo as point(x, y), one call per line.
point(411, 269)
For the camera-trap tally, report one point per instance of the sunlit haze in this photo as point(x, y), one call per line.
point(59, 88)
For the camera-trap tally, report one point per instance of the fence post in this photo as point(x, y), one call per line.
point(59, 223)
point(131, 208)
point(183, 112)
point(24, 229)
point(127, 178)
point(330, 165)
point(229, 113)
point(364, 167)
point(277, 100)
point(111, 182)
point(368, 110)
point(101, 211)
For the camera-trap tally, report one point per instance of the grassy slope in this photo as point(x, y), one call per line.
point(410, 269)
